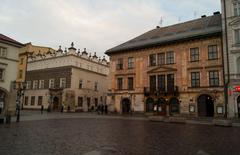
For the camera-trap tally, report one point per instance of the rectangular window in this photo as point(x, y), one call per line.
point(3, 52)
point(26, 100)
point(119, 64)
point(32, 100)
point(95, 86)
point(161, 83)
point(80, 84)
point(130, 62)
point(62, 82)
point(152, 60)
point(194, 54)
point(28, 85)
point(80, 101)
point(88, 102)
point(170, 57)
point(213, 78)
point(130, 83)
point(152, 83)
point(41, 84)
point(236, 7)
point(195, 79)
point(1, 74)
point(40, 99)
point(119, 83)
point(35, 84)
point(161, 58)
point(51, 83)
point(237, 36)
point(212, 52)
point(170, 82)
point(20, 73)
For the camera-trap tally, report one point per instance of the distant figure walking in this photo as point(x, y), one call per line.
point(106, 109)
point(102, 109)
point(41, 109)
point(98, 109)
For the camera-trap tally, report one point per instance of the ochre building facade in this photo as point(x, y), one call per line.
point(175, 70)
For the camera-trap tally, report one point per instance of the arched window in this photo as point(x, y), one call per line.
point(238, 65)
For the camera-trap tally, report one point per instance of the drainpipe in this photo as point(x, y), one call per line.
point(226, 83)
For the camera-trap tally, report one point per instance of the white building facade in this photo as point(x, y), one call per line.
point(70, 79)
point(231, 48)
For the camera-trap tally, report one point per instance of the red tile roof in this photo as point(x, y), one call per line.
point(8, 40)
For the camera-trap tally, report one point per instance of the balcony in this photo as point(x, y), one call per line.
point(161, 91)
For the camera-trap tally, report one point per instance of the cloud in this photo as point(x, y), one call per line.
point(95, 24)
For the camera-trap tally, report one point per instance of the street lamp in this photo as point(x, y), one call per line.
point(20, 87)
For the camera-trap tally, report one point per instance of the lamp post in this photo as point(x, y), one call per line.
point(20, 87)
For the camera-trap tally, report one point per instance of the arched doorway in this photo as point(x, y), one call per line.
point(238, 104)
point(149, 105)
point(174, 106)
point(126, 106)
point(2, 101)
point(161, 106)
point(55, 103)
point(205, 106)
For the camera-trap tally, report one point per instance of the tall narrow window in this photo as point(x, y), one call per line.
point(213, 78)
point(161, 58)
point(1, 74)
point(96, 86)
point(152, 60)
point(20, 73)
point(236, 7)
point(119, 83)
point(238, 65)
point(35, 84)
point(152, 83)
point(80, 84)
point(212, 52)
point(170, 57)
point(119, 64)
point(96, 102)
point(130, 62)
point(194, 54)
point(28, 85)
point(51, 83)
point(237, 36)
point(130, 83)
point(3, 52)
point(170, 82)
point(195, 79)
point(40, 99)
point(62, 82)
point(32, 100)
point(41, 84)
point(161, 83)
point(26, 100)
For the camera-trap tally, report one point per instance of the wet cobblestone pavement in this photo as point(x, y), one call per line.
point(95, 136)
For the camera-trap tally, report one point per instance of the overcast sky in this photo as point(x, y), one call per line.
point(93, 24)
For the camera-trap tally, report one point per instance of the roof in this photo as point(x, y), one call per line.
point(201, 27)
point(8, 40)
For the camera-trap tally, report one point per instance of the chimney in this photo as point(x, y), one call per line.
point(157, 27)
point(203, 16)
point(216, 13)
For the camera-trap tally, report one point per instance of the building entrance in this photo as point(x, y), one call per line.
point(205, 106)
point(55, 103)
point(126, 106)
point(149, 104)
point(2, 101)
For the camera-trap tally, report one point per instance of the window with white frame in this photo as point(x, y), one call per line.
point(35, 84)
point(51, 83)
point(62, 82)
point(236, 8)
point(28, 85)
point(41, 84)
point(237, 36)
point(1, 74)
point(80, 84)
point(170, 57)
point(3, 52)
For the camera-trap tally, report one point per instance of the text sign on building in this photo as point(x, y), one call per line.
point(237, 88)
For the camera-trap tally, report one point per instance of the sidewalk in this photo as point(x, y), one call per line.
point(192, 120)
